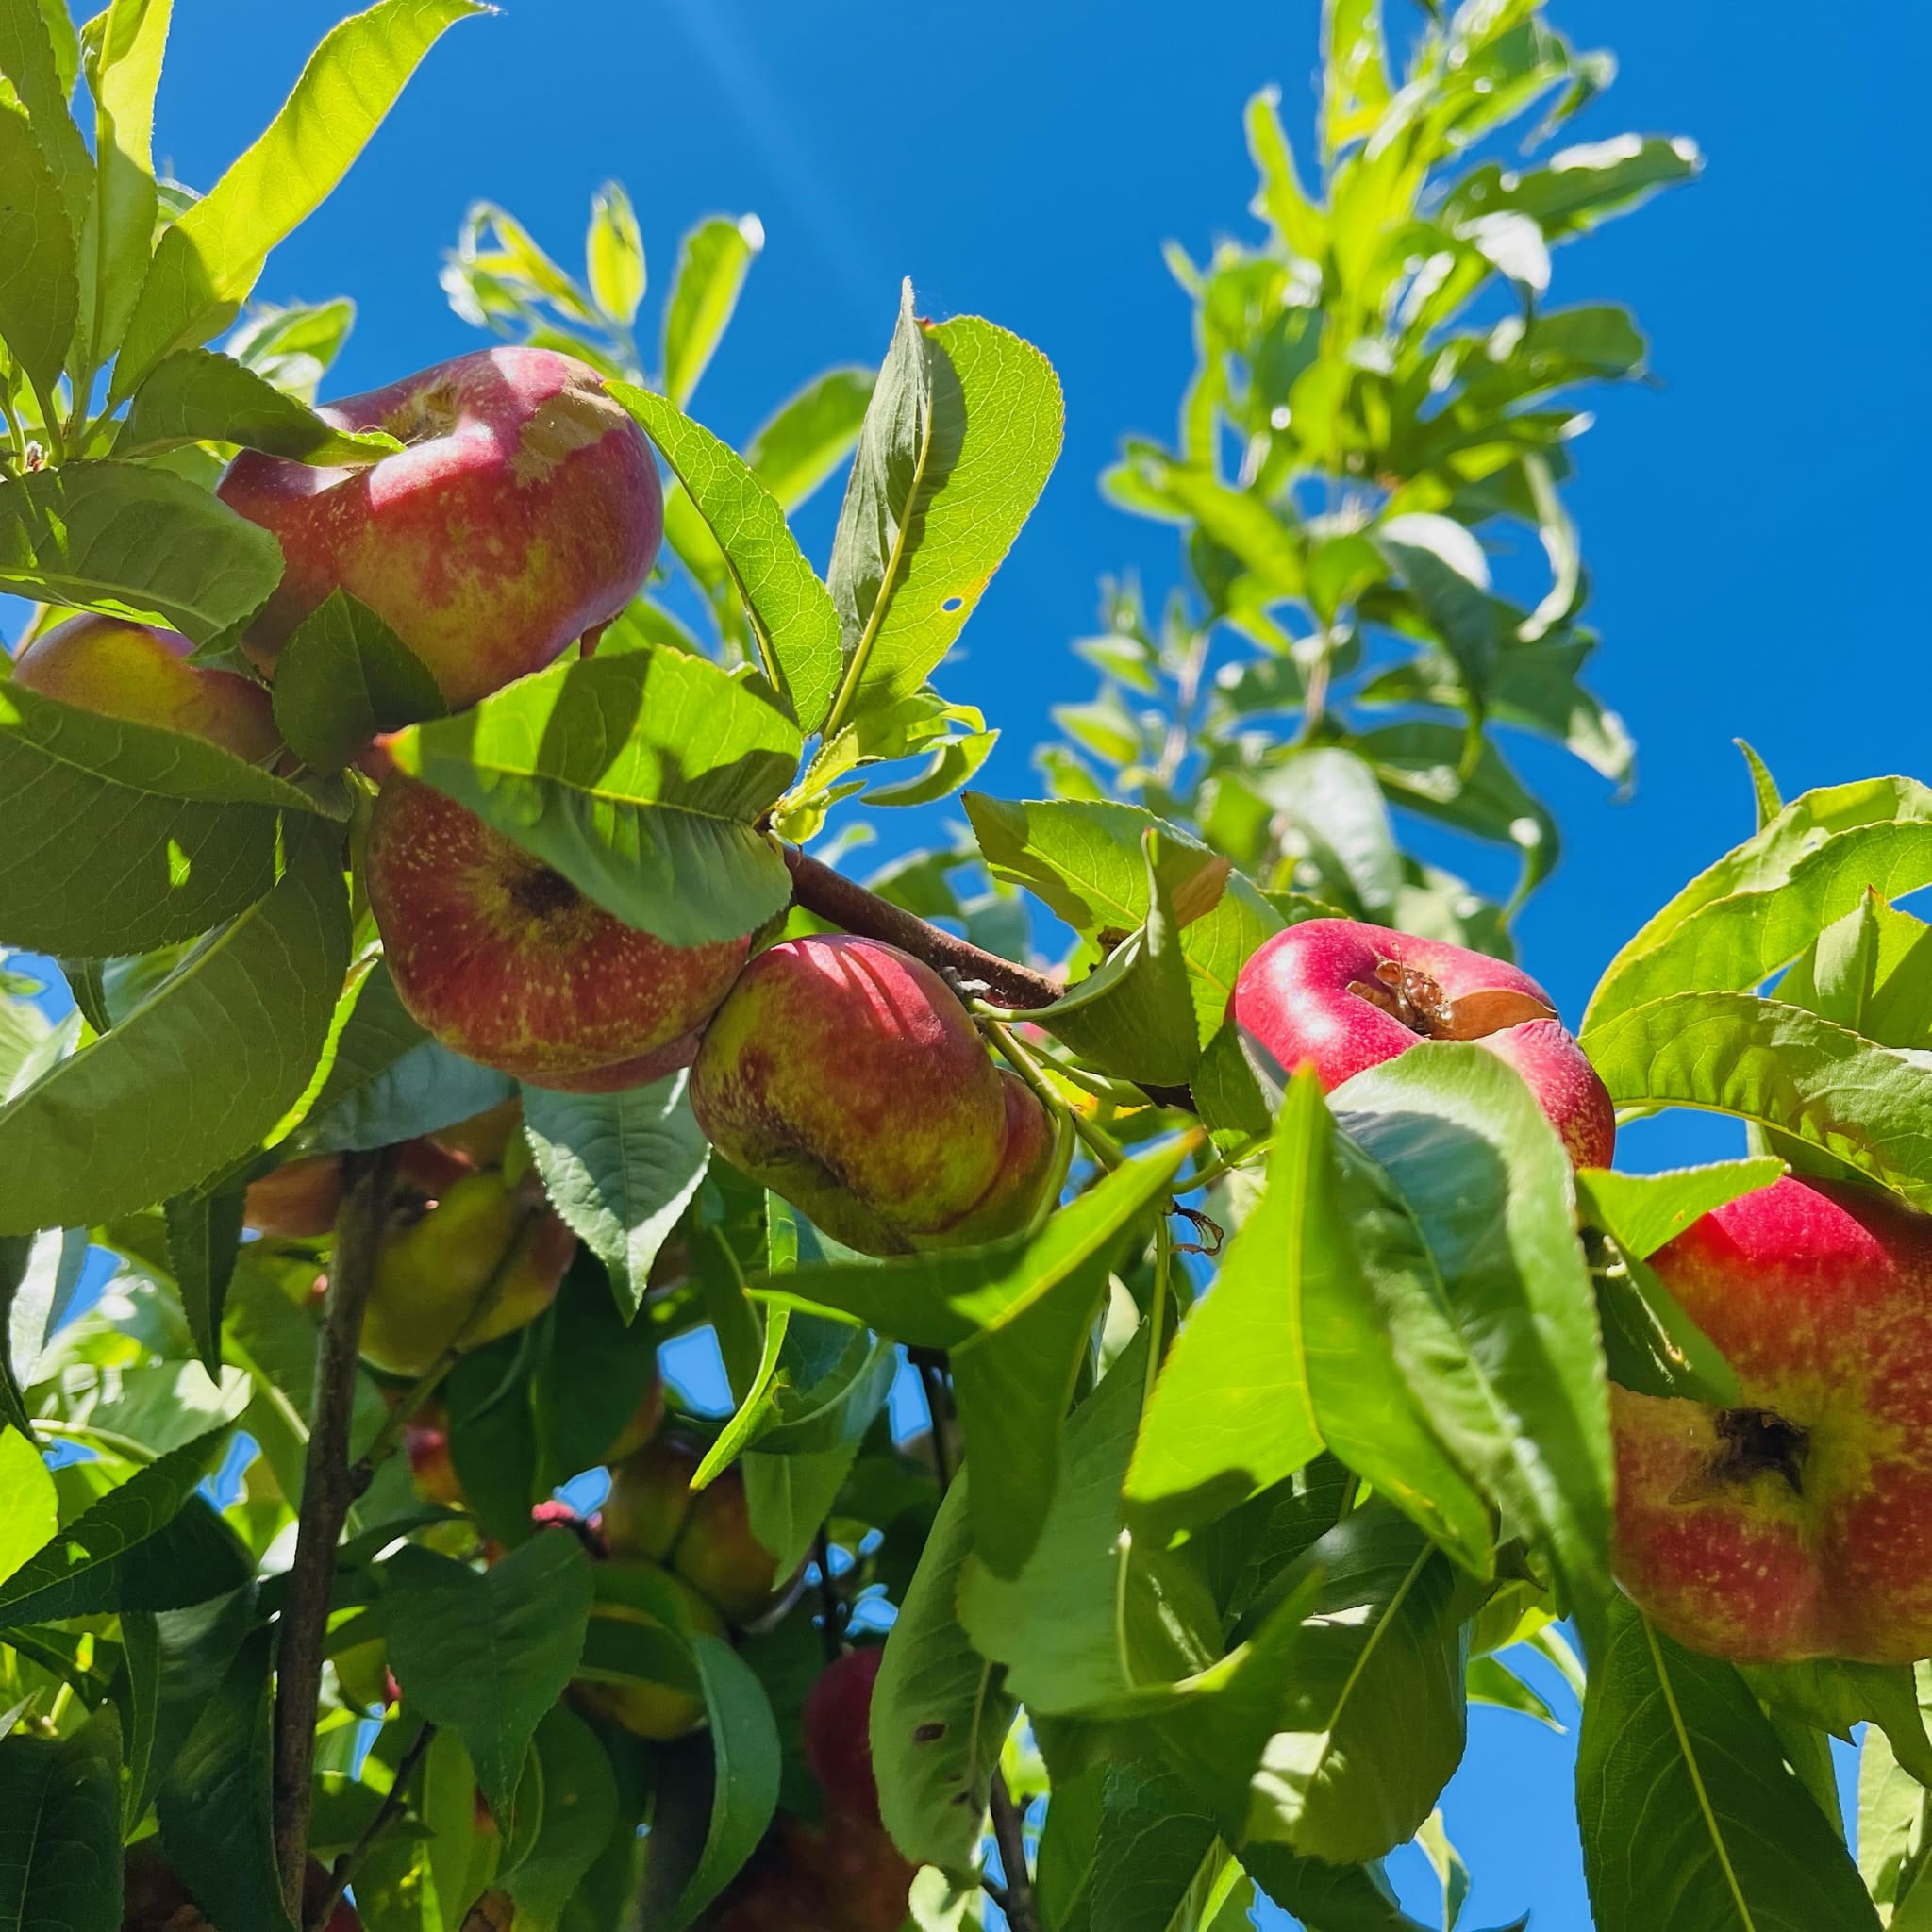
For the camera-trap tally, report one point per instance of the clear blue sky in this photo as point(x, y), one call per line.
point(1753, 526)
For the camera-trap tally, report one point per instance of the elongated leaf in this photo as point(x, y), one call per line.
point(214, 1803)
point(1286, 1355)
point(134, 542)
point(1336, 1898)
point(620, 1168)
point(197, 395)
point(1280, 200)
point(118, 232)
point(745, 1766)
point(198, 1072)
point(1149, 1844)
point(342, 677)
point(938, 1710)
point(66, 1578)
point(177, 1661)
point(791, 612)
point(1094, 1613)
point(1644, 1210)
point(641, 777)
point(1086, 861)
point(1336, 1726)
point(579, 1813)
point(963, 432)
point(1015, 1315)
point(1762, 904)
point(487, 1654)
point(1491, 1311)
point(1580, 187)
point(60, 1829)
point(32, 60)
point(614, 254)
point(208, 261)
point(1687, 1812)
point(1782, 1066)
point(204, 1233)
point(40, 291)
point(126, 837)
point(712, 262)
point(810, 435)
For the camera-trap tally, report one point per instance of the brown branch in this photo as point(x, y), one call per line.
point(850, 906)
point(327, 1495)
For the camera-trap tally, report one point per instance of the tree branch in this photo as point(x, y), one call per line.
point(850, 906)
point(392, 1808)
point(328, 1494)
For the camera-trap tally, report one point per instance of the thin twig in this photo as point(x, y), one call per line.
point(1009, 1834)
point(327, 1495)
point(387, 1813)
point(832, 1630)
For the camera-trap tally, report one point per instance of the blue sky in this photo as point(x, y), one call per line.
point(1752, 524)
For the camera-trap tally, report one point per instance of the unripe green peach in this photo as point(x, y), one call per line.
point(847, 1077)
point(648, 1595)
point(438, 1261)
point(703, 1534)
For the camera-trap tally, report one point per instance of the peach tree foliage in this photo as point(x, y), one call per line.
point(1241, 1560)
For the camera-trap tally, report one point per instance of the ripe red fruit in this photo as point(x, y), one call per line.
point(1797, 1524)
point(524, 511)
point(847, 1077)
point(506, 961)
point(296, 1201)
point(140, 672)
point(838, 1734)
point(1342, 996)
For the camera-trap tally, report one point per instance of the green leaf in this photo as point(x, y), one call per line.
point(126, 837)
point(1149, 1844)
point(60, 1829)
point(1764, 789)
point(39, 293)
point(1281, 201)
point(198, 1072)
point(1085, 859)
point(214, 1802)
point(1579, 186)
point(791, 613)
point(135, 542)
point(208, 261)
point(578, 1809)
point(1763, 903)
point(37, 42)
point(1683, 1796)
point(810, 434)
point(1867, 972)
point(1287, 1355)
point(1336, 1728)
point(27, 1512)
point(72, 1575)
point(203, 1235)
point(176, 1662)
point(488, 1653)
point(1642, 1211)
point(790, 1497)
point(1893, 1810)
point(40, 1275)
point(745, 1767)
point(712, 262)
point(963, 431)
point(198, 395)
point(1095, 1612)
point(1134, 1015)
point(1489, 1680)
point(1782, 1066)
point(293, 346)
point(117, 233)
point(614, 254)
point(620, 1168)
point(1331, 797)
point(342, 677)
point(1355, 89)
point(641, 777)
point(590, 1381)
point(1014, 1315)
point(1489, 1306)
point(939, 1712)
point(1336, 1898)
point(390, 1082)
